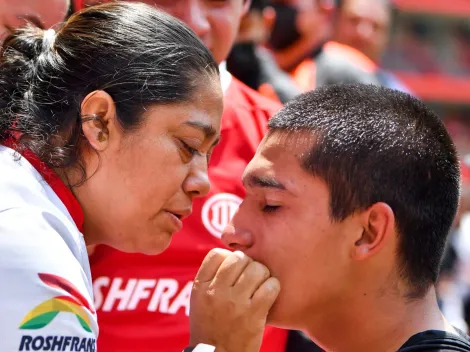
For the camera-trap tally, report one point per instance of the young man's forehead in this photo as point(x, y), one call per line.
point(282, 141)
point(280, 150)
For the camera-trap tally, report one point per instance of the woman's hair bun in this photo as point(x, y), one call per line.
point(19, 56)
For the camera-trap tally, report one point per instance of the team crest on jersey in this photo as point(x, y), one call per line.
point(218, 210)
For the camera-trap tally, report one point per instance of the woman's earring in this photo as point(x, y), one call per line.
point(95, 117)
point(101, 137)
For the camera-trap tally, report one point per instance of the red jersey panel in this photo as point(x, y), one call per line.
point(143, 301)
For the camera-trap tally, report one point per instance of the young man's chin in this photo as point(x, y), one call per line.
point(278, 318)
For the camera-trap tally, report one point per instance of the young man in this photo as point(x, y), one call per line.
point(350, 198)
point(143, 301)
point(15, 13)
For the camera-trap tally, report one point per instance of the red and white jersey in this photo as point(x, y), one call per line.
point(143, 301)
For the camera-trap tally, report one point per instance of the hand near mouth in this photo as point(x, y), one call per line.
point(231, 298)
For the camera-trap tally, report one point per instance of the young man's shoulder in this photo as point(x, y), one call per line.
point(241, 97)
point(438, 341)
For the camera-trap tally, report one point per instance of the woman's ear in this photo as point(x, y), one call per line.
point(99, 125)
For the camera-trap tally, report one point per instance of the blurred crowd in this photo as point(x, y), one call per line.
point(286, 47)
point(430, 46)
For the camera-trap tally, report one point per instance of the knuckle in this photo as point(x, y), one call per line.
point(196, 286)
point(218, 253)
point(240, 257)
point(260, 270)
point(209, 296)
point(273, 286)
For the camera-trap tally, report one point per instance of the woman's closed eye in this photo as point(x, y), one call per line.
point(270, 208)
point(188, 149)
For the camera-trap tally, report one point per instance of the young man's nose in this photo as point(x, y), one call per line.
point(236, 238)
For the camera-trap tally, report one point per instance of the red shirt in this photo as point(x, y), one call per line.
point(143, 301)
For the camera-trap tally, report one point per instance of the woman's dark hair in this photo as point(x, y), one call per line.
point(137, 54)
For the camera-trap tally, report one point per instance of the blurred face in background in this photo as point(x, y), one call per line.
point(45, 13)
point(364, 25)
point(216, 22)
point(296, 19)
point(256, 25)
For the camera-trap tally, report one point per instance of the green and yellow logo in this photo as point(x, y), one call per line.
point(45, 312)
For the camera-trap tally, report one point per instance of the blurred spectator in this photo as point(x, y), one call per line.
point(462, 43)
point(298, 42)
point(365, 26)
point(453, 287)
point(300, 29)
point(251, 63)
point(412, 48)
point(458, 125)
point(454, 282)
point(15, 13)
point(423, 44)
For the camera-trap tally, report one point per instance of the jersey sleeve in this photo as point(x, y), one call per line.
point(45, 297)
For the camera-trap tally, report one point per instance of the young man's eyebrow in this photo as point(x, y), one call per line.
point(263, 182)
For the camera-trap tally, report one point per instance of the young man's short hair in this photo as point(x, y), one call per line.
point(375, 144)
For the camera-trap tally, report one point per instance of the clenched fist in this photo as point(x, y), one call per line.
point(231, 297)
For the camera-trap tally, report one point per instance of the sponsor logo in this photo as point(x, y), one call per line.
point(44, 313)
point(218, 210)
point(57, 343)
point(165, 295)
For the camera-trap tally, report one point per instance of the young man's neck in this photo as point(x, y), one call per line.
point(382, 323)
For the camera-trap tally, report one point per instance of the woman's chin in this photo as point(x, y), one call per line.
point(152, 245)
point(155, 249)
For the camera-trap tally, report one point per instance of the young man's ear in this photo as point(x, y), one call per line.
point(378, 223)
point(98, 113)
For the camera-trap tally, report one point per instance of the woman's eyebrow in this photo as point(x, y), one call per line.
point(208, 130)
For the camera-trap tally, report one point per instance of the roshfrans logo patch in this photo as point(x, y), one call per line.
point(44, 313)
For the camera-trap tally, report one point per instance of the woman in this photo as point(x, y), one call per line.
point(106, 129)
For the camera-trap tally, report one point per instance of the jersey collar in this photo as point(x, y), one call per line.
point(54, 181)
point(225, 76)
